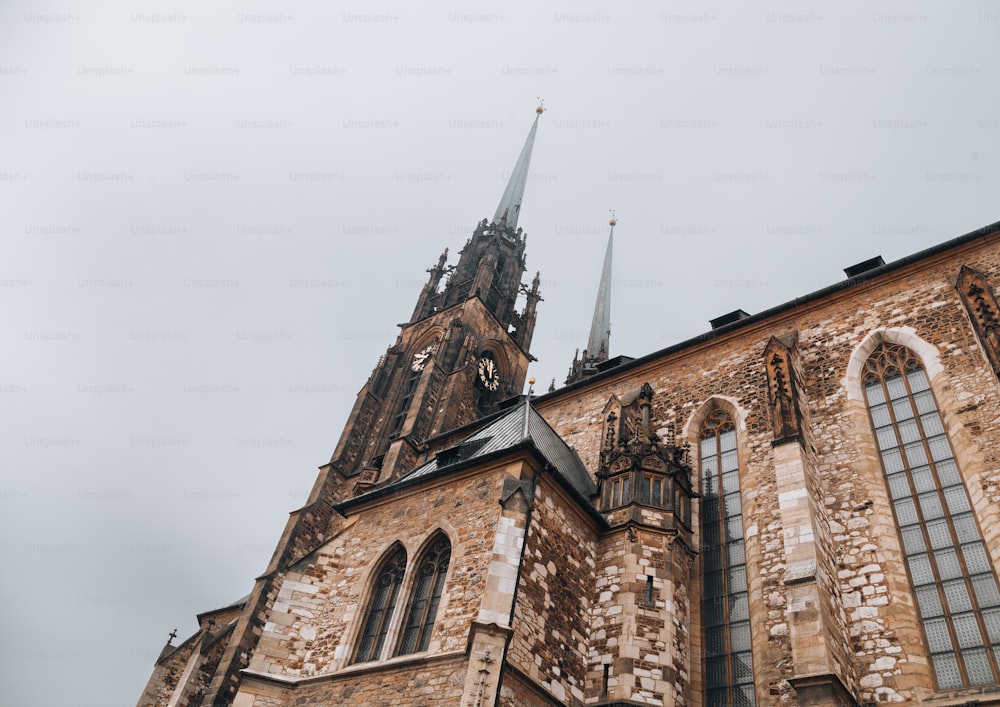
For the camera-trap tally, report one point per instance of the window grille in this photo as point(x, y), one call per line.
point(381, 606)
point(421, 610)
point(725, 607)
point(950, 571)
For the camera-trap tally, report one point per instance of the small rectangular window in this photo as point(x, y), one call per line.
point(644, 493)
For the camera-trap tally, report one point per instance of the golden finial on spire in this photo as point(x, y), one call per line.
point(541, 106)
point(613, 222)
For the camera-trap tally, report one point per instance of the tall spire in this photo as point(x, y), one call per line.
point(599, 343)
point(492, 262)
point(600, 329)
point(513, 195)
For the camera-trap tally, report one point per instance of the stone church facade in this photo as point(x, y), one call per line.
point(798, 508)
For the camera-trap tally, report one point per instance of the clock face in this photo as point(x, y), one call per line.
point(488, 373)
point(420, 360)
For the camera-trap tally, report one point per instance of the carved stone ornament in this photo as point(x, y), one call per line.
point(620, 464)
point(610, 432)
point(978, 297)
point(636, 466)
point(785, 417)
point(654, 463)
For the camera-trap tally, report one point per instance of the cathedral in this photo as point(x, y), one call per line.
point(798, 507)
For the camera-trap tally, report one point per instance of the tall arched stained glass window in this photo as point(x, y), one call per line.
point(425, 597)
point(381, 607)
point(725, 607)
point(951, 573)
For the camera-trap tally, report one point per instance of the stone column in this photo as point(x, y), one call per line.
point(490, 633)
point(817, 675)
point(193, 663)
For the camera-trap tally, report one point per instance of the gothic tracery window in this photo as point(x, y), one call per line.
point(381, 607)
point(725, 606)
point(950, 571)
point(421, 610)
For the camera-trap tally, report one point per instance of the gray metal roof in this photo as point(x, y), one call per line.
point(513, 195)
point(507, 431)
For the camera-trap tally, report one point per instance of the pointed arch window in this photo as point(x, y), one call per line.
point(725, 606)
point(428, 586)
point(950, 571)
point(381, 607)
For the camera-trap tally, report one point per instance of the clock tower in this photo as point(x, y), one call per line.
point(464, 349)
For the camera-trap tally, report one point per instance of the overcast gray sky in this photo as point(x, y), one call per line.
point(214, 216)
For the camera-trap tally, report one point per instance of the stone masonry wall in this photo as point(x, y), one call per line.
point(886, 638)
point(827, 574)
point(606, 613)
point(414, 685)
point(830, 586)
point(518, 692)
point(643, 643)
point(313, 624)
point(885, 642)
point(167, 674)
point(551, 613)
point(200, 681)
point(681, 387)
